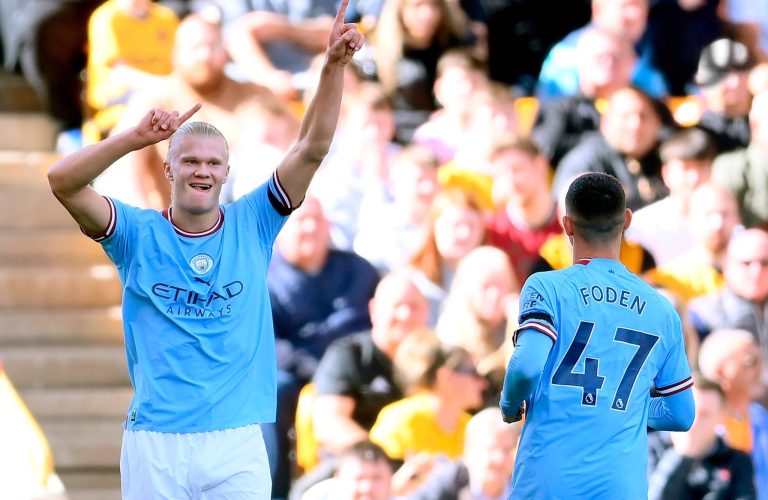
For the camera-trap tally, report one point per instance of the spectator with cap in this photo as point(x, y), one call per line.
point(678, 31)
point(722, 77)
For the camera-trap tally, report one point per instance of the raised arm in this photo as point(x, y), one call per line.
point(70, 177)
point(319, 124)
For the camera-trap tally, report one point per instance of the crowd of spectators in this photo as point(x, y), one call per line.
point(394, 287)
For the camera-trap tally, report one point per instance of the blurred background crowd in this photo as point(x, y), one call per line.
point(394, 286)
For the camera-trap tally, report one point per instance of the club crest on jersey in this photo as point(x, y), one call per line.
point(201, 263)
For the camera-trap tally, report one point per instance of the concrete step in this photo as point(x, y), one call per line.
point(60, 327)
point(16, 94)
point(84, 444)
point(100, 494)
point(25, 168)
point(90, 480)
point(75, 403)
point(65, 247)
point(25, 208)
point(66, 367)
point(49, 286)
point(28, 131)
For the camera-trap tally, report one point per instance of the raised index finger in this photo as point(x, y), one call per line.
point(342, 12)
point(191, 111)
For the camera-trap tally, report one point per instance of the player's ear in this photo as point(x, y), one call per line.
point(568, 225)
point(627, 218)
point(226, 176)
point(167, 170)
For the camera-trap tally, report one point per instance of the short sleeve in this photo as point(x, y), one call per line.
point(335, 373)
point(675, 373)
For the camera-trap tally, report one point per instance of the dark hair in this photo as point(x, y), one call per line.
point(596, 204)
point(364, 451)
point(460, 57)
point(702, 383)
point(513, 142)
point(689, 144)
point(419, 357)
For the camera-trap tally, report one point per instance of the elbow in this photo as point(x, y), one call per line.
point(57, 183)
point(315, 151)
point(684, 422)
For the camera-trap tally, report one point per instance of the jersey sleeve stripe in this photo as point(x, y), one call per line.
point(280, 191)
point(675, 388)
point(110, 229)
point(544, 328)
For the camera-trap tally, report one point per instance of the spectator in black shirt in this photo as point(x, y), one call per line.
point(698, 464)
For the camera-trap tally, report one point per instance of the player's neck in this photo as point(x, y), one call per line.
point(194, 222)
point(584, 250)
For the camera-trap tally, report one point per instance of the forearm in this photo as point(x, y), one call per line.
point(672, 413)
point(77, 170)
point(338, 433)
point(321, 117)
point(248, 54)
point(312, 34)
point(524, 369)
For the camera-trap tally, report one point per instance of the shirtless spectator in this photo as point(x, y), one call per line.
point(273, 43)
point(198, 75)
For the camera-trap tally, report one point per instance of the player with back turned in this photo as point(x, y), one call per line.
point(593, 341)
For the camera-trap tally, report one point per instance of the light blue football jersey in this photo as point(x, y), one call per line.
point(585, 434)
point(196, 314)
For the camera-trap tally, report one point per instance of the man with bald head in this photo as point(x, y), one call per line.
point(743, 301)
point(355, 379)
point(732, 358)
